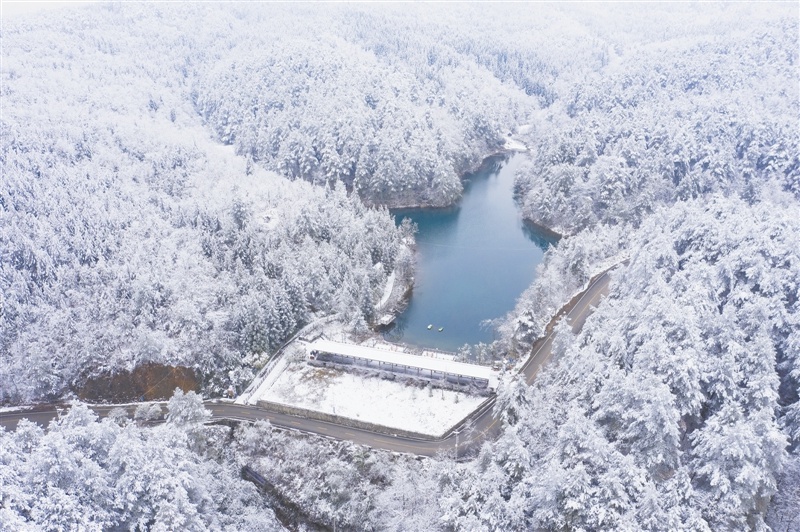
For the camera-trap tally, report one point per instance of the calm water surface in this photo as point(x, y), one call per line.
point(473, 262)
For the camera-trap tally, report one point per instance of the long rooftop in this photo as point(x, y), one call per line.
point(405, 359)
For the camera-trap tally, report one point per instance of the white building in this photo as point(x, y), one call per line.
point(326, 352)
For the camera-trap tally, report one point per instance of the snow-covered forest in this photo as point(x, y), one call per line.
point(128, 236)
point(121, 474)
point(189, 184)
point(669, 121)
point(678, 400)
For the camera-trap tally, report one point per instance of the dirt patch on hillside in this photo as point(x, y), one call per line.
point(148, 382)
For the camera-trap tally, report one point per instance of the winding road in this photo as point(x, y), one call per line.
point(477, 427)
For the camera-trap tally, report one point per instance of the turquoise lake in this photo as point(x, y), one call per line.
point(473, 261)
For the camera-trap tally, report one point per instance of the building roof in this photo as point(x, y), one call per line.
point(406, 359)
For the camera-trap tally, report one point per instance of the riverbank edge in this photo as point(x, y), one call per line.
point(462, 178)
point(397, 306)
point(546, 231)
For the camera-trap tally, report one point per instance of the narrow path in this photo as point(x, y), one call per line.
point(479, 426)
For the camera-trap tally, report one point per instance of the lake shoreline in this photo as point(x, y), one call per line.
point(544, 230)
point(472, 260)
point(539, 234)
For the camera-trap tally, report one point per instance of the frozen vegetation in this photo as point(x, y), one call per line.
point(190, 184)
point(670, 120)
point(127, 236)
point(118, 474)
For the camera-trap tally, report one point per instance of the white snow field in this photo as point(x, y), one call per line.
point(512, 144)
point(372, 399)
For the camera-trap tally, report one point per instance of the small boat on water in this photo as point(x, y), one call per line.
point(441, 329)
point(430, 326)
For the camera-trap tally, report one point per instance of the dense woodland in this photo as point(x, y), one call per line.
point(127, 236)
point(121, 474)
point(678, 400)
point(669, 122)
point(190, 184)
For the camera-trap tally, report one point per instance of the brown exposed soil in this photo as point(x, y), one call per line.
point(148, 382)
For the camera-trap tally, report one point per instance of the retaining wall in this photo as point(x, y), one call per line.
point(365, 425)
point(340, 420)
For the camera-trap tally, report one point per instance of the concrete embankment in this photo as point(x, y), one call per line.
point(339, 420)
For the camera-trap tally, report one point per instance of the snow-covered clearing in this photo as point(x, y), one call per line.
point(513, 144)
point(512, 141)
point(387, 291)
point(389, 403)
point(524, 129)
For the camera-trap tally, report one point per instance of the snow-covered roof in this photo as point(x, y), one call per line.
point(406, 359)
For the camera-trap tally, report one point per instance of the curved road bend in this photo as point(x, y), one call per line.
point(477, 427)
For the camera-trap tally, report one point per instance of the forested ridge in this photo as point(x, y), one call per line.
point(389, 104)
point(191, 184)
point(129, 237)
point(675, 406)
point(668, 122)
point(124, 474)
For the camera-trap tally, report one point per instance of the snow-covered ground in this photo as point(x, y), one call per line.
point(7, 409)
point(513, 144)
point(265, 385)
point(524, 129)
point(389, 403)
point(387, 291)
